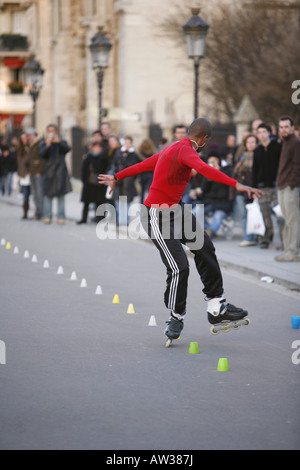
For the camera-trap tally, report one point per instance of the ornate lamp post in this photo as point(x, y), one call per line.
point(34, 79)
point(100, 48)
point(196, 30)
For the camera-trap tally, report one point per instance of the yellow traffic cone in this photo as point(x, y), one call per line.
point(130, 309)
point(8, 246)
point(116, 299)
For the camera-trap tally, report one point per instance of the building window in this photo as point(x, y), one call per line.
point(19, 23)
point(57, 22)
point(59, 15)
point(90, 7)
point(94, 7)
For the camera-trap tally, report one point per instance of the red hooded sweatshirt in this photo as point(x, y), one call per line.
point(172, 171)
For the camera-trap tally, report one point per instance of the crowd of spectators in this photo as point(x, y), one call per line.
point(268, 158)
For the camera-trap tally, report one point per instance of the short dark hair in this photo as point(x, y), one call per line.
point(265, 126)
point(199, 128)
point(178, 126)
point(287, 118)
point(52, 125)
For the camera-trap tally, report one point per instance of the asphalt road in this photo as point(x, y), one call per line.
point(81, 373)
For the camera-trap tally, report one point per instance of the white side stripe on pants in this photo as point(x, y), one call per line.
point(169, 257)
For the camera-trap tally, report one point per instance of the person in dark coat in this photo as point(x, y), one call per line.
point(124, 158)
point(216, 196)
point(56, 179)
point(264, 176)
point(243, 173)
point(146, 150)
point(95, 162)
point(7, 168)
point(36, 169)
point(23, 172)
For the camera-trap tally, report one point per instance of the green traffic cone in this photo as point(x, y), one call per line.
point(223, 365)
point(194, 348)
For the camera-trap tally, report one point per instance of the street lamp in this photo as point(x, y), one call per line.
point(34, 80)
point(100, 48)
point(196, 30)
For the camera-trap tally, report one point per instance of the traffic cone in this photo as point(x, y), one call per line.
point(60, 270)
point(130, 309)
point(223, 365)
point(46, 264)
point(26, 254)
point(73, 276)
point(16, 251)
point(3, 241)
point(194, 348)
point(116, 299)
point(296, 322)
point(152, 321)
point(8, 246)
point(98, 291)
point(83, 283)
point(34, 259)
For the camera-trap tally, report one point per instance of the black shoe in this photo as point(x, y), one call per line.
point(174, 328)
point(81, 222)
point(228, 312)
point(264, 245)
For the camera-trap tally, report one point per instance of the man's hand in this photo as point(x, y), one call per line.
point(252, 192)
point(108, 180)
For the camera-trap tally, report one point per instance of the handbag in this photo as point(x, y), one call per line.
point(255, 220)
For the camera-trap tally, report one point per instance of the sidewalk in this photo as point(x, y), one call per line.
point(252, 260)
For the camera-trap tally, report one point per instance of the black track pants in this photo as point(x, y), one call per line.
point(174, 258)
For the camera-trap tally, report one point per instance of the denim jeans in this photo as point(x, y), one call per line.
point(25, 190)
point(6, 184)
point(60, 207)
point(122, 209)
point(37, 191)
point(217, 218)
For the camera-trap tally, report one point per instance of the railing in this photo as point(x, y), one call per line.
point(13, 42)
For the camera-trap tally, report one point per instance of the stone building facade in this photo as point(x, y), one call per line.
point(145, 82)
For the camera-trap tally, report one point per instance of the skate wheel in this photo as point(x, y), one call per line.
point(237, 327)
point(168, 343)
point(213, 332)
point(248, 322)
point(226, 331)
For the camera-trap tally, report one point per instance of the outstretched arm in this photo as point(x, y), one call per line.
point(192, 160)
point(252, 192)
point(146, 165)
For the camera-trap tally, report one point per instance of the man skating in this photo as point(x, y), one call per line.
point(172, 171)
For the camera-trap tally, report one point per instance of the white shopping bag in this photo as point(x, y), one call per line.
point(108, 195)
point(255, 221)
point(277, 210)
